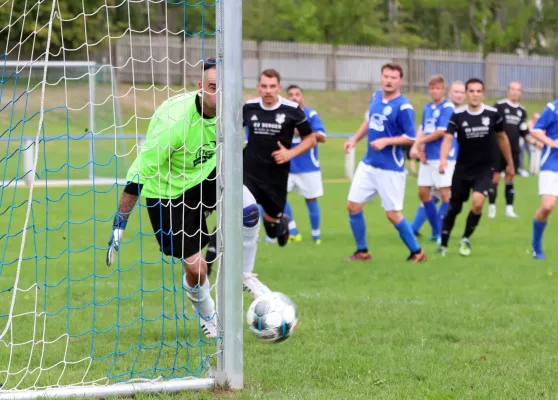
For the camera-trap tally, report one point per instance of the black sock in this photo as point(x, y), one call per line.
point(449, 220)
point(472, 222)
point(492, 193)
point(510, 192)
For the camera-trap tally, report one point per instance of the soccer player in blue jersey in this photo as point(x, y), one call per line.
point(435, 118)
point(390, 125)
point(305, 175)
point(456, 94)
point(546, 131)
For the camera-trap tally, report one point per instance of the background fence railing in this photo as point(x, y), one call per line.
point(327, 67)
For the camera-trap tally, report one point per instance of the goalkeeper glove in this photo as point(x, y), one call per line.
point(118, 227)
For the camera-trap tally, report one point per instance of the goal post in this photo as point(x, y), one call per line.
point(71, 326)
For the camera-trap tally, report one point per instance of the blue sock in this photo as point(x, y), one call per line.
point(407, 235)
point(292, 224)
point(538, 230)
point(432, 214)
point(314, 212)
point(358, 226)
point(418, 221)
point(441, 214)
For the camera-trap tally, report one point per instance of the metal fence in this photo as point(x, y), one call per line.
point(152, 59)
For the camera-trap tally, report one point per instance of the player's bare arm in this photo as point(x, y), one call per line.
point(126, 204)
point(505, 148)
point(283, 155)
point(444, 152)
point(541, 137)
point(320, 138)
point(362, 132)
point(430, 138)
point(380, 144)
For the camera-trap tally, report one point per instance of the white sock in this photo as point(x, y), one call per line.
point(250, 248)
point(201, 298)
point(292, 225)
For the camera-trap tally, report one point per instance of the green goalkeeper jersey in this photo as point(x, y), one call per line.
point(179, 149)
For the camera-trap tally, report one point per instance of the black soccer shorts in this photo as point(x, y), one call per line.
point(461, 186)
point(501, 163)
point(180, 224)
point(271, 196)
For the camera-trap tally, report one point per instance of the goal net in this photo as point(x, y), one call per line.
point(80, 82)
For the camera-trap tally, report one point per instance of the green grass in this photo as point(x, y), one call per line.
point(451, 328)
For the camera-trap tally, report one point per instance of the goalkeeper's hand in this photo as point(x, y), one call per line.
point(118, 227)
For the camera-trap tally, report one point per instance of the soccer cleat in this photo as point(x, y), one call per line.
point(442, 251)
point(492, 211)
point(208, 326)
point(317, 241)
point(465, 247)
point(417, 257)
point(254, 286)
point(270, 240)
point(433, 238)
point(538, 254)
point(360, 256)
point(510, 213)
point(283, 237)
point(295, 238)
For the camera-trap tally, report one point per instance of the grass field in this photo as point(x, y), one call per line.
point(451, 328)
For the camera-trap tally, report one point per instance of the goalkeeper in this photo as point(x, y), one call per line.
point(175, 172)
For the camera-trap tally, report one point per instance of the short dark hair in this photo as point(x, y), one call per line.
point(294, 87)
point(270, 73)
point(210, 63)
point(474, 80)
point(393, 67)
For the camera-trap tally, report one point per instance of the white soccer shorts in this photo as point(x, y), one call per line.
point(548, 183)
point(369, 182)
point(308, 184)
point(429, 176)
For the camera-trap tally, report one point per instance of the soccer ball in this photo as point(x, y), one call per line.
point(272, 317)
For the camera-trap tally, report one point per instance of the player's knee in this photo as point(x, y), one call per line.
point(424, 194)
point(251, 215)
point(445, 194)
point(455, 207)
point(394, 217)
point(195, 266)
point(310, 200)
point(354, 208)
point(477, 202)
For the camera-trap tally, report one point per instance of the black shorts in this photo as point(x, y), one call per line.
point(271, 196)
point(462, 186)
point(501, 163)
point(180, 224)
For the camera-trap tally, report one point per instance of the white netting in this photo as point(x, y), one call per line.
point(80, 81)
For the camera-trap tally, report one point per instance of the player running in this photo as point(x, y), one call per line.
point(479, 128)
point(515, 126)
point(271, 121)
point(390, 125)
point(435, 119)
point(175, 172)
point(456, 94)
point(546, 131)
point(305, 175)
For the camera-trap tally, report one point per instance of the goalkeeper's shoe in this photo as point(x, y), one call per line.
point(208, 326)
point(118, 228)
point(465, 247)
point(284, 232)
point(254, 286)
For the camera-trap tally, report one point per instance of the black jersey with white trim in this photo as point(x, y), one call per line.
point(476, 136)
point(515, 122)
point(266, 126)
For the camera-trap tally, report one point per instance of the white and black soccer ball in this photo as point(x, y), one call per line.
point(272, 317)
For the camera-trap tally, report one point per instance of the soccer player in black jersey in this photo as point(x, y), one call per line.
point(479, 129)
point(515, 126)
point(271, 121)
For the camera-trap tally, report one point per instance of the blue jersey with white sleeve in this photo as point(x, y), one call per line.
point(389, 118)
point(309, 161)
point(548, 122)
point(436, 118)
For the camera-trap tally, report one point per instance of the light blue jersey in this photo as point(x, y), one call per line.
point(436, 118)
point(309, 161)
point(548, 122)
point(389, 118)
